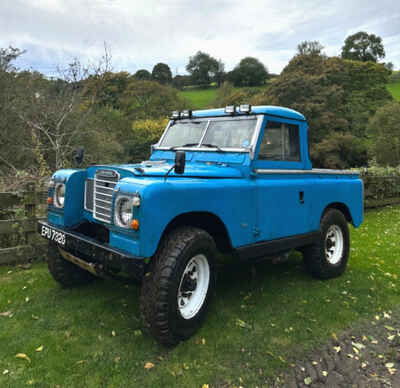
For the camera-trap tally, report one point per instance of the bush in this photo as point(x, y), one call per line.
point(144, 133)
point(384, 134)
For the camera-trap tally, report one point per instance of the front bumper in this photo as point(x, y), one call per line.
point(101, 257)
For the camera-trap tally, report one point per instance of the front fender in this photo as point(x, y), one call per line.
point(228, 199)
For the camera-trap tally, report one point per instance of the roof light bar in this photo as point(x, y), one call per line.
point(231, 109)
point(246, 108)
point(186, 114)
point(175, 115)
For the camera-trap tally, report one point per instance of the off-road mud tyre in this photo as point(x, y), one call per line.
point(328, 257)
point(166, 318)
point(64, 272)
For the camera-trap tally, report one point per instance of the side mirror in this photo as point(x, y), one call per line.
point(78, 157)
point(180, 160)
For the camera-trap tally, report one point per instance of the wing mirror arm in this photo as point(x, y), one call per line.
point(179, 165)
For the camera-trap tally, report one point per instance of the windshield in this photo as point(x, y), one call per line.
point(218, 133)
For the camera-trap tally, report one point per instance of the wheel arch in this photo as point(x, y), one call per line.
point(343, 208)
point(207, 221)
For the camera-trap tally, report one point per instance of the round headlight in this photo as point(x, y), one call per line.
point(123, 212)
point(59, 195)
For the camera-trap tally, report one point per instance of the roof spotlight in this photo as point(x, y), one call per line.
point(231, 109)
point(175, 115)
point(246, 108)
point(186, 114)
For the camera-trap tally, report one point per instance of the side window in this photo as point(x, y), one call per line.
point(280, 142)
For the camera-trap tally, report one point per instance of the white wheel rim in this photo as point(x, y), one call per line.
point(334, 243)
point(193, 286)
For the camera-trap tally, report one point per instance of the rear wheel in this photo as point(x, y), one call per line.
point(178, 287)
point(328, 257)
point(64, 272)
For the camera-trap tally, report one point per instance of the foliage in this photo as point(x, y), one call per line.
point(339, 151)
point(148, 100)
point(310, 48)
point(384, 134)
point(142, 75)
point(203, 68)
point(227, 94)
point(362, 46)
point(144, 133)
point(162, 73)
point(180, 81)
point(7, 56)
point(105, 89)
point(249, 72)
point(334, 94)
point(261, 317)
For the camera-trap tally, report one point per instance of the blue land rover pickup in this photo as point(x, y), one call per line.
point(236, 180)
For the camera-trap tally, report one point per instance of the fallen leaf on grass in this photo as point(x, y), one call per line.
point(5, 371)
point(324, 373)
point(35, 317)
point(148, 365)
point(203, 341)
point(81, 362)
point(391, 337)
point(5, 314)
point(390, 328)
point(23, 356)
point(205, 386)
point(27, 299)
point(307, 380)
point(39, 349)
point(334, 336)
point(337, 348)
point(113, 333)
point(389, 365)
point(243, 324)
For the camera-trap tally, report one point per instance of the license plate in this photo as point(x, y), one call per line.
point(53, 235)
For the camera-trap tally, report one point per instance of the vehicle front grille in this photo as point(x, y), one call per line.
point(104, 183)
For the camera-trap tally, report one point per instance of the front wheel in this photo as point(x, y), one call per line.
point(177, 289)
point(328, 257)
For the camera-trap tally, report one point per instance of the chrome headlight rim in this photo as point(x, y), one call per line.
point(123, 218)
point(58, 198)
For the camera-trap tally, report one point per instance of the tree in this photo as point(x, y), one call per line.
point(308, 47)
point(384, 134)
point(144, 100)
point(362, 46)
point(202, 68)
point(339, 150)
point(334, 94)
point(7, 56)
point(143, 75)
point(249, 72)
point(161, 73)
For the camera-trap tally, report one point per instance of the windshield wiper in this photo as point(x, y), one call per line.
point(184, 145)
point(219, 149)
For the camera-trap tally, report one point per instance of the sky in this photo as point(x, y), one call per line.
point(140, 34)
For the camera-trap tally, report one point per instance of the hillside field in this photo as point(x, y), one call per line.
point(200, 98)
point(203, 98)
point(395, 90)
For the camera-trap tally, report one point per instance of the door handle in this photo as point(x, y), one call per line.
point(301, 197)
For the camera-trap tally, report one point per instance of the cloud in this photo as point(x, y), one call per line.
point(143, 33)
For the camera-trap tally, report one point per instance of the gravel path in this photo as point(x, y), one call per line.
point(366, 356)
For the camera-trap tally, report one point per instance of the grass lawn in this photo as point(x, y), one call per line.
point(200, 98)
point(91, 336)
point(395, 90)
